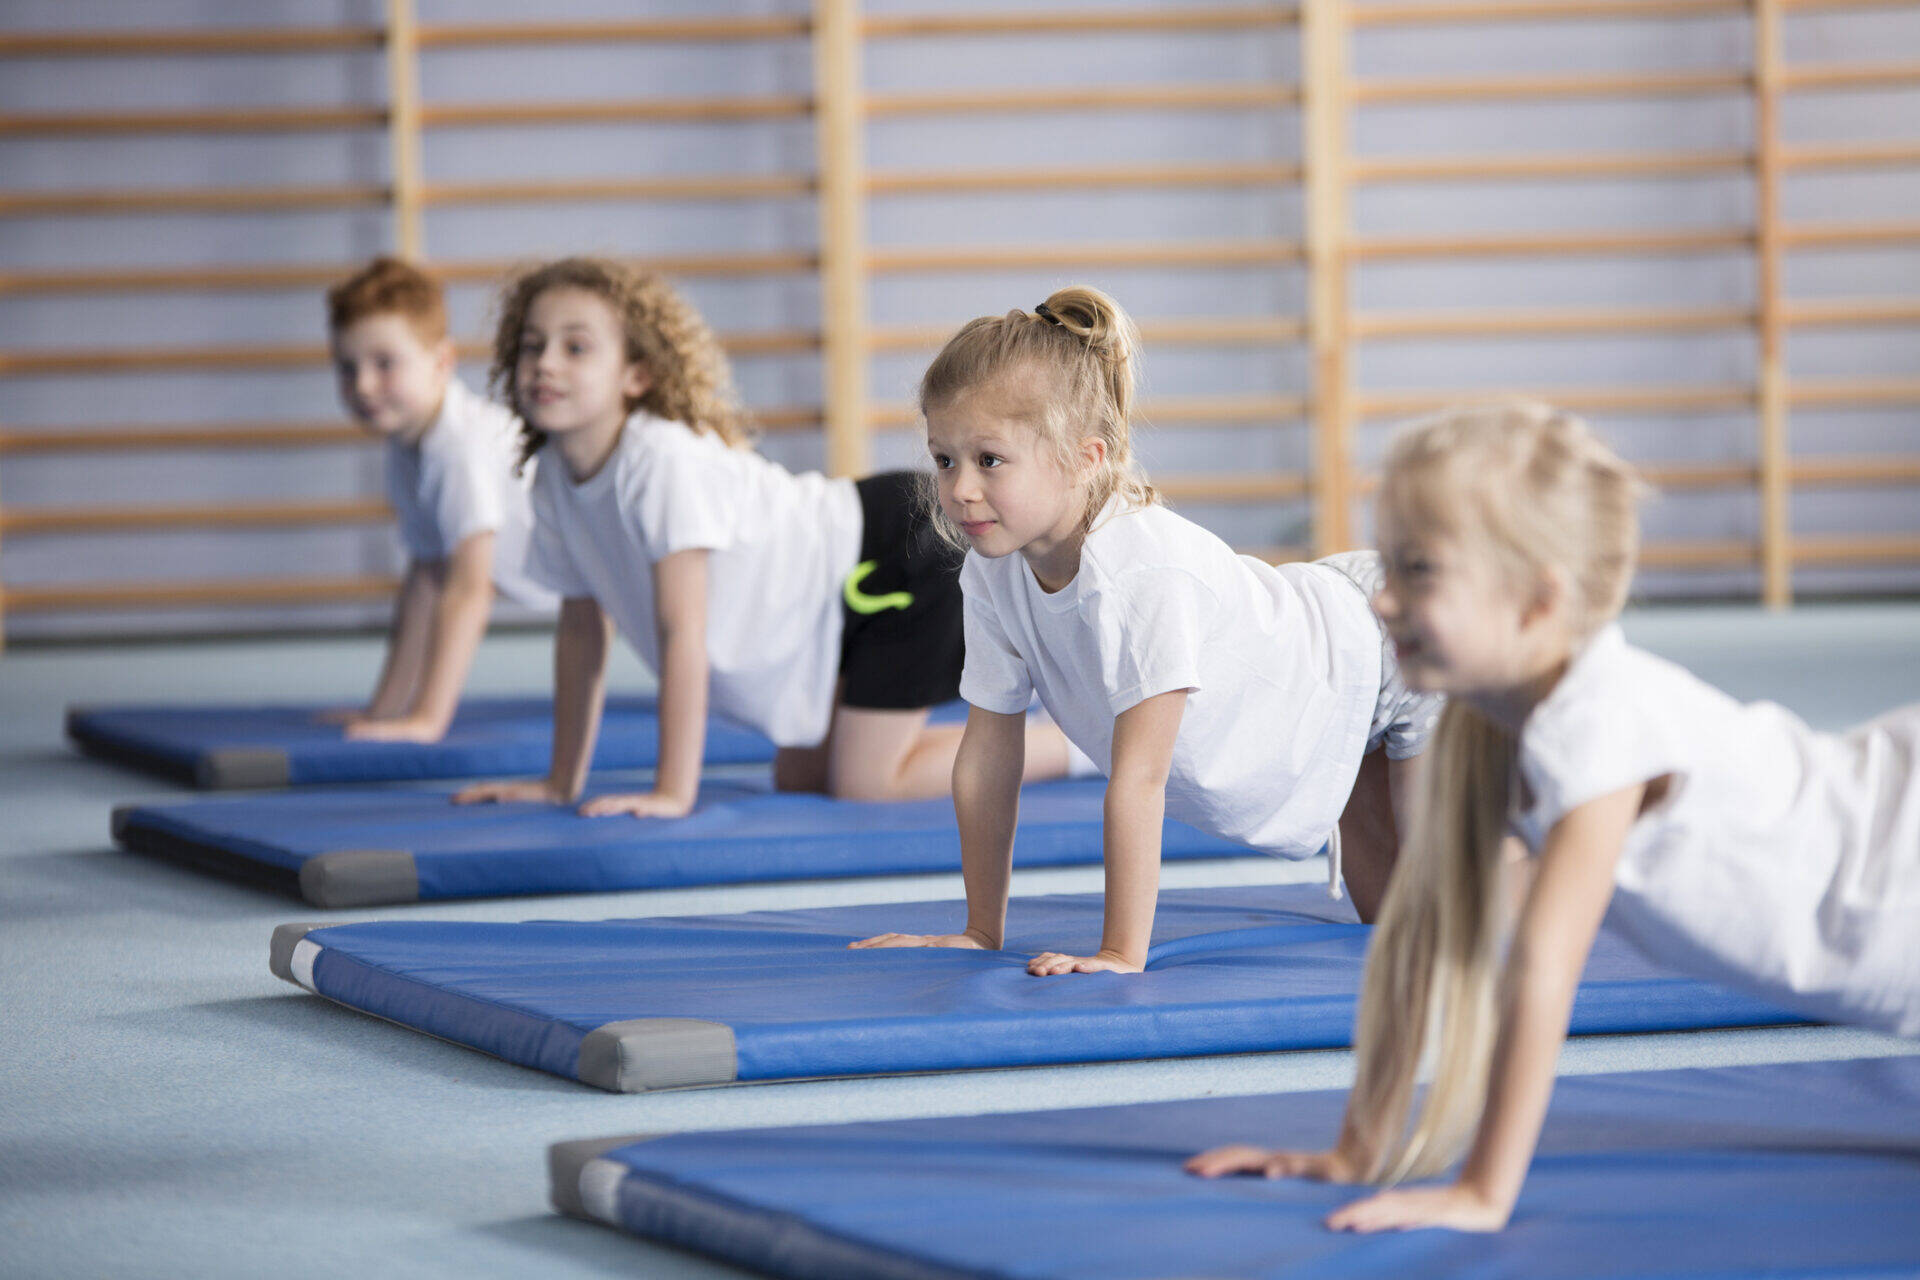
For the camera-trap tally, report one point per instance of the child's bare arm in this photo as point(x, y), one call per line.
point(1564, 905)
point(680, 606)
point(1563, 910)
point(407, 636)
point(986, 803)
point(458, 609)
point(580, 647)
point(1143, 738)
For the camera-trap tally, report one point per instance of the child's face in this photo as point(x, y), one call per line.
point(999, 481)
point(1459, 623)
point(572, 372)
point(390, 380)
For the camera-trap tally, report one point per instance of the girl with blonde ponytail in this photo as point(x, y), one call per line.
point(1258, 703)
point(1731, 841)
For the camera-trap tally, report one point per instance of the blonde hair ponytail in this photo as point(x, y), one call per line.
point(1431, 968)
point(1085, 350)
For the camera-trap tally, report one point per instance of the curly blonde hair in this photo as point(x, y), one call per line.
point(691, 380)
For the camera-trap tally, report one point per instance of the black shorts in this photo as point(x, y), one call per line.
point(903, 644)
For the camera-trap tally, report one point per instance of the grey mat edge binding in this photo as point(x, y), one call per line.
point(642, 1054)
point(280, 951)
point(565, 1160)
point(241, 768)
point(360, 878)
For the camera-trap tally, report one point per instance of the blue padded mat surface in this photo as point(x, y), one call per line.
point(1232, 970)
point(231, 747)
point(1805, 1170)
point(739, 832)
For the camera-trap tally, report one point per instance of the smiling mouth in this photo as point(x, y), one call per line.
point(974, 528)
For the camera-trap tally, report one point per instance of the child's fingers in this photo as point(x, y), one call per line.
point(1238, 1158)
point(885, 940)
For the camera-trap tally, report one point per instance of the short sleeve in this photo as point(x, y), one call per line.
point(469, 501)
point(1582, 748)
point(1151, 623)
point(994, 676)
point(549, 563)
point(684, 496)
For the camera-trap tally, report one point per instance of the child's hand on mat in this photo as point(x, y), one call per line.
point(966, 941)
point(534, 791)
point(398, 729)
point(1048, 963)
point(1321, 1166)
point(641, 804)
point(1458, 1207)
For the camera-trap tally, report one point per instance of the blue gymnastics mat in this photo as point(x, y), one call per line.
point(229, 748)
point(235, 748)
point(355, 847)
point(1805, 1170)
point(631, 1005)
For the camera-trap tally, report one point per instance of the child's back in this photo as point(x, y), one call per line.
point(1282, 667)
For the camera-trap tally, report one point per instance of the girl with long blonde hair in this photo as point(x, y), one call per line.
point(823, 612)
point(1258, 703)
point(1730, 841)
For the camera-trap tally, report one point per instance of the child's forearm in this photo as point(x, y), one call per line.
point(408, 636)
point(579, 689)
point(986, 803)
point(459, 621)
point(1535, 1010)
point(1135, 811)
point(683, 714)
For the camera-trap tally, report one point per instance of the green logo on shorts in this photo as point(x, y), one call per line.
point(860, 602)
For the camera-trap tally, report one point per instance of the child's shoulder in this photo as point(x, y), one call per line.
point(1616, 707)
point(1150, 538)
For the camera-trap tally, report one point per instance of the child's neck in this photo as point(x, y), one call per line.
point(415, 435)
point(1510, 705)
point(586, 449)
point(1055, 563)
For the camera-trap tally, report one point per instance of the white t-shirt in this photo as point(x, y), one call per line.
point(459, 481)
point(1781, 859)
point(781, 546)
point(1283, 666)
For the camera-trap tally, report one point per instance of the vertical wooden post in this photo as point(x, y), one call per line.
point(403, 126)
point(840, 121)
point(1776, 528)
point(1325, 37)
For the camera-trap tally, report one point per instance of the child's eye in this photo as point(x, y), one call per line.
point(941, 462)
point(988, 461)
point(529, 346)
point(576, 348)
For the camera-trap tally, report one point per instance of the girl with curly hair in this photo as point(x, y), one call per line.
point(824, 613)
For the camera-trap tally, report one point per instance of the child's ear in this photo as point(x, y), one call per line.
point(1093, 452)
point(1553, 597)
point(446, 357)
point(638, 380)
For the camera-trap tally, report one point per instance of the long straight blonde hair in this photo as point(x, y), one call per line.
point(1535, 490)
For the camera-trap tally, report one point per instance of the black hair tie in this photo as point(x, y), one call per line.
point(1045, 312)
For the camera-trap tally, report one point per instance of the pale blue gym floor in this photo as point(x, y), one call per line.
point(169, 1109)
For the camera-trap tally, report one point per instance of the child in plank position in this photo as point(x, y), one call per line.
point(463, 514)
point(1257, 703)
point(1727, 840)
point(822, 612)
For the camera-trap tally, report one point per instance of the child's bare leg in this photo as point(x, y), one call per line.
point(1369, 834)
point(800, 769)
point(897, 755)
